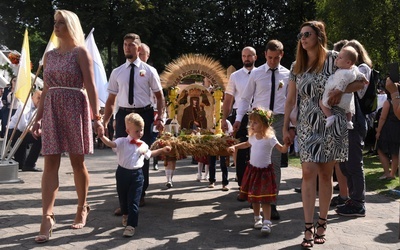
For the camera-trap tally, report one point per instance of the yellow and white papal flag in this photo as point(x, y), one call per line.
point(53, 43)
point(23, 85)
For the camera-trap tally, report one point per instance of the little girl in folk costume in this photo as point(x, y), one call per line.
point(258, 184)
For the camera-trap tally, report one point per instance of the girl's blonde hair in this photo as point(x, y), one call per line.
point(301, 54)
point(134, 118)
point(73, 25)
point(265, 118)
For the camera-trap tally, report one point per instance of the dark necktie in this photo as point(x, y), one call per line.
point(137, 143)
point(131, 84)
point(272, 100)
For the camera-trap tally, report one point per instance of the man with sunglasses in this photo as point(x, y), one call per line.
point(267, 88)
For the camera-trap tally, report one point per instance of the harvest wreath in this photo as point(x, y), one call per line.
point(195, 144)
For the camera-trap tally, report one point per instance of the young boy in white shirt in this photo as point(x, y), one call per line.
point(131, 152)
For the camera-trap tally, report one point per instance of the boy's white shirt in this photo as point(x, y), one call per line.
point(130, 156)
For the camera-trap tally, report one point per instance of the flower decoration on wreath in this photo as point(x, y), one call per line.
point(172, 93)
point(265, 114)
point(194, 144)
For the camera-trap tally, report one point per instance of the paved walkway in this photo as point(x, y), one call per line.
point(188, 216)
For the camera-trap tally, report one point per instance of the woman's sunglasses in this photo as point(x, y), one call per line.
point(305, 34)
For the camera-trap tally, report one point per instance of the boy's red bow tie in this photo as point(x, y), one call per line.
point(138, 143)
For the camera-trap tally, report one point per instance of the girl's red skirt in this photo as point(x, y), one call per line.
point(201, 159)
point(258, 185)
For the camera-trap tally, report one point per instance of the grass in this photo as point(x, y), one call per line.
point(373, 170)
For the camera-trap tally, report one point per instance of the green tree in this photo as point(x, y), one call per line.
point(219, 28)
point(16, 15)
point(376, 25)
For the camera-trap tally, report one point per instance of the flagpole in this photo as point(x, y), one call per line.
point(21, 138)
point(23, 85)
point(91, 31)
point(53, 42)
point(37, 74)
point(3, 146)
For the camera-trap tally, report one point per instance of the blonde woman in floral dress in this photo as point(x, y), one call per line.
point(64, 117)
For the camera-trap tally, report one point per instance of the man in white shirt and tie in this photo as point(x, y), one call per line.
point(267, 88)
point(236, 85)
point(129, 88)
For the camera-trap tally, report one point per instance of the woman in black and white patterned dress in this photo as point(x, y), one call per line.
point(320, 147)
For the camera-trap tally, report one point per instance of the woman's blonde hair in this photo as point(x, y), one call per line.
point(73, 25)
point(264, 117)
point(301, 54)
point(363, 56)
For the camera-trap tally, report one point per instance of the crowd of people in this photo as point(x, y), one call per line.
point(258, 102)
point(15, 119)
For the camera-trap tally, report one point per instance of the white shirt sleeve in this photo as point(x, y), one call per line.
point(366, 71)
point(245, 99)
point(14, 118)
point(147, 155)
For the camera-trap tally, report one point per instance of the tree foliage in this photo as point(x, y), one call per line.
point(217, 28)
point(375, 24)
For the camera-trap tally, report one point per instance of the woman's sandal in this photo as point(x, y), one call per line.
point(42, 238)
point(320, 238)
point(308, 243)
point(82, 223)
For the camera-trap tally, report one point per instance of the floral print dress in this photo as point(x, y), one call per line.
point(66, 123)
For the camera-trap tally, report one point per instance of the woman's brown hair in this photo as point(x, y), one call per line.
point(301, 54)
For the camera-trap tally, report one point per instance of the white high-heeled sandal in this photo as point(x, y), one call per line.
point(81, 224)
point(42, 238)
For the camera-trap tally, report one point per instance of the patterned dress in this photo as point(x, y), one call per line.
point(317, 143)
point(66, 123)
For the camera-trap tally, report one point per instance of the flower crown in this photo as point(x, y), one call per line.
point(266, 115)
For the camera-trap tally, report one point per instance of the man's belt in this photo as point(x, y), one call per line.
point(136, 110)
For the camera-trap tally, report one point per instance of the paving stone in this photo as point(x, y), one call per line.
point(188, 216)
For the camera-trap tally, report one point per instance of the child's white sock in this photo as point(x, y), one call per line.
point(350, 125)
point(199, 170)
point(330, 120)
point(266, 228)
point(267, 222)
point(168, 174)
point(257, 218)
point(258, 223)
point(206, 170)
